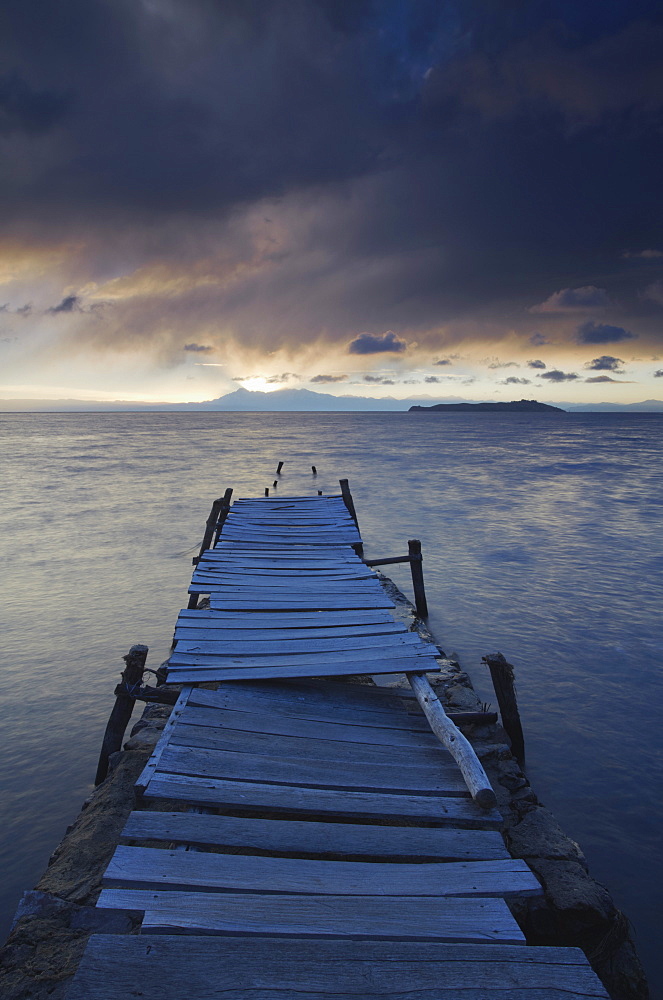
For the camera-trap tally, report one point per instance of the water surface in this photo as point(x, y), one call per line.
point(541, 537)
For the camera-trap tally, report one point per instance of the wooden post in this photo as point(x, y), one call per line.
point(416, 559)
point(217, 516)
point(349, 503)
point(132, 676)
point(503, 678)
point(266, 491)
point(223, 513)
point(278, 468)
point(275, 483)
point(314, 470)
point(460, 748)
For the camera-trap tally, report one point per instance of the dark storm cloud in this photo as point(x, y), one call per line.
point(555, 375)
point(368, 343)
point(28, 110)
point(328, 379)
point(602, 333)
point(573, 300)
point(538, 339)
point(70, 303)
point(536, 363)
point(606, 363)
point(471, 149)
point(197, 348)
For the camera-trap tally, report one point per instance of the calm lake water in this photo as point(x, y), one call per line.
point(542, 538)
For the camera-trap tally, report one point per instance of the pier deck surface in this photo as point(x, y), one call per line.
point(303, 837)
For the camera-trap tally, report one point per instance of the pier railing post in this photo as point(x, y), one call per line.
point(215, 521)
point(132, 676)
point(416, 560)
point(349, 503)
point(504, 683)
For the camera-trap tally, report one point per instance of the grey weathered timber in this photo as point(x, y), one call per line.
point(271, 619)
point(420, 656)
point(297, 838)
point(151, 766)
point(284, 799)
point(201, 673)
point(171, 967)
point(300, 704)
point(369, 732)
point(404, 642)
point(458, 746)
point(426, 758)
point(275, 603)
point(443, 919)
point(216, 631)
point(320, 773)
point(154, 868)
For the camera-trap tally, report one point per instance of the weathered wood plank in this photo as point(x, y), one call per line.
point(239, 583)
point(298, 619)
point(421, 659)
point(285, 799)
point(153, 868)
point(151, 766)
point(316, 602)
point(181, 674)
point(317, 773)
point(190, 632)
point(371, 733)
point(243, 741)
point(404, 642)
point(296, 702)
point(301, 838)
point(447, 919)
point(170, 967)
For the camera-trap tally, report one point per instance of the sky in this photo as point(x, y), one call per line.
point(410, 198)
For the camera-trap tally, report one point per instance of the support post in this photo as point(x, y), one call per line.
point(349, 503)
point(132, 676)
point(458, 746)
point(314, 470)
point(217, 516)
point(278, 468)
point(416, 560)
point(504, 683)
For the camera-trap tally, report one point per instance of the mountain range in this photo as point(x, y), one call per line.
point(292, 400)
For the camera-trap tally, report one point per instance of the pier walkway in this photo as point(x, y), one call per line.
point(298, 836)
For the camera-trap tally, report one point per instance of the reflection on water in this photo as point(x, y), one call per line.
point(541, 537)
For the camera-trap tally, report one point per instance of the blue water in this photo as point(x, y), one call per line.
point(542, 539)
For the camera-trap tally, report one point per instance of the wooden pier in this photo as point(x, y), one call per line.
point(297, 836)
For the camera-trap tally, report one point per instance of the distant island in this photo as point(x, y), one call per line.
point(515, 406)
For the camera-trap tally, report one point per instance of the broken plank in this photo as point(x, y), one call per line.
point(298, 837)
point(444, 919)
point(285, 799)
point(443, 779)
point(154, 868)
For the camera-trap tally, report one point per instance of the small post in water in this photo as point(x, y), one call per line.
point(416, 560)
point(314, 470)
point(504, 682)
point(266, 491)
point(278, 468)
point(132, 676)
